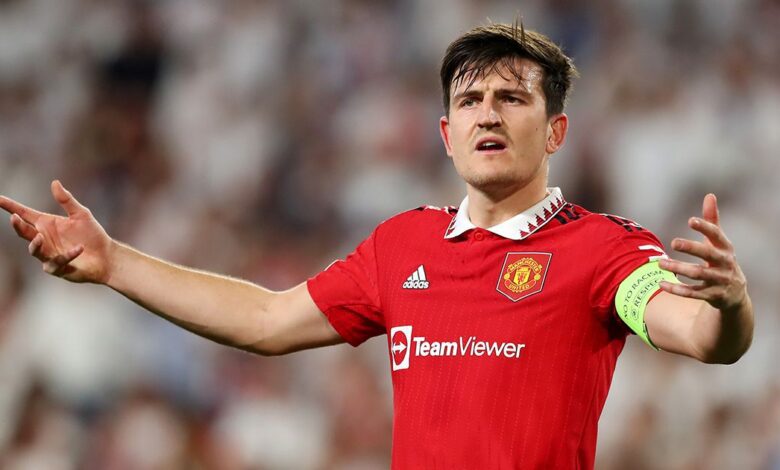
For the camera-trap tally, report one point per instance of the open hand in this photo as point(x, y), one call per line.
point(75, 247)
point(723, 284)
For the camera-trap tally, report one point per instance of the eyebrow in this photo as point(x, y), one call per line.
point(468, 93)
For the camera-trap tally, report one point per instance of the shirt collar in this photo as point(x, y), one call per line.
point(518, 227)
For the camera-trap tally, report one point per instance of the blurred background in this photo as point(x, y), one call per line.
point(264, 139)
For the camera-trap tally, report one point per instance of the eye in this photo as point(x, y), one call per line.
point(512, 99)
point(467, 102)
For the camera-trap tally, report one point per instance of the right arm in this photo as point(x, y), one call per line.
point(223, 309)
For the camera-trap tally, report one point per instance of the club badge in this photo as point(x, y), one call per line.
point(523, 274)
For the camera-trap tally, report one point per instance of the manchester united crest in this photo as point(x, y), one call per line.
point(523, 274)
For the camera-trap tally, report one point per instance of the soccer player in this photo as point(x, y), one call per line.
point(504, 317)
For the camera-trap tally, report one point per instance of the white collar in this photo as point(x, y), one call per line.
point(518, 227)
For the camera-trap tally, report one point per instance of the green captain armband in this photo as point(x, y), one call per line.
point(635, 292)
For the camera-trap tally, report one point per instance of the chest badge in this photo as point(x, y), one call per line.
point(523, 274)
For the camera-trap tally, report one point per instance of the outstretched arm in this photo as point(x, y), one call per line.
point(226, 310)
point(711, 321)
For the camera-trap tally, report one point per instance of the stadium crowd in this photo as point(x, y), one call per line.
point(266, 138)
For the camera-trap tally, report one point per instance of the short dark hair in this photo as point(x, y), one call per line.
point(485, 48)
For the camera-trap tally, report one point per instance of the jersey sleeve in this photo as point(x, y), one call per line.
point(622, 253)
point(347, 294)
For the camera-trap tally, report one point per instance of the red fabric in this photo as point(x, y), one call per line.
point(348, 294)
point(535, 406)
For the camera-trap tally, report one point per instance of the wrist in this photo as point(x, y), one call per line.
point(114, 253)
point(736, 308)
point(734, 332)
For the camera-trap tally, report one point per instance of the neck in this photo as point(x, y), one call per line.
point(487, 209)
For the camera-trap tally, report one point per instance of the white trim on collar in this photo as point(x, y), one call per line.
point(518, 227)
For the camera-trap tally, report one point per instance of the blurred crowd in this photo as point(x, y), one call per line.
point(263, 139)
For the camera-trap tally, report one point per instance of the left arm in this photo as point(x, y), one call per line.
point(711, 321)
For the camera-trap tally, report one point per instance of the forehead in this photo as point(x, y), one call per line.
point(521, 73)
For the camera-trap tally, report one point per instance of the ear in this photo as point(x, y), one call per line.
point(444, 130)
point(556, 133)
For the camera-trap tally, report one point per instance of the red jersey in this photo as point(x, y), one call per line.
point(502, 342)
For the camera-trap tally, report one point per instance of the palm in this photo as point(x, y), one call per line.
point(73, 247)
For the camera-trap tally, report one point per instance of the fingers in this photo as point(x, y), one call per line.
point(66, 199)
point(703, 250)
point(722, 283)
point(711, 231)
point(698, 272)
point(685, 290)
point(56, 264)
point(719, 297)
point(709, 209)
point(31, 216)
point(35, 248)
point(59, 263)
point(27, 214)
point(22, 228)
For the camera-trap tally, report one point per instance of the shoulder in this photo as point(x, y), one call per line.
point(423, 216)
point(419, 226)
point(608, 223)
point(602, 228)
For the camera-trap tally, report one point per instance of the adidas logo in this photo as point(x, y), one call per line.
point(418, 280)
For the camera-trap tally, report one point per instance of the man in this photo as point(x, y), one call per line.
point(504, 317)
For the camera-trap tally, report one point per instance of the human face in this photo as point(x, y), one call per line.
point(498, 133)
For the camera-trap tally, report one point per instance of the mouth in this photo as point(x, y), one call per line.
point(490, 145)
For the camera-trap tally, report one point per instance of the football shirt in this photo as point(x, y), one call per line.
point(502, 341)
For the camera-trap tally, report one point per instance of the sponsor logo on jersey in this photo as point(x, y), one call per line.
point(417, 280)
point(400, 338)
point(403, 345)
point(523, 274)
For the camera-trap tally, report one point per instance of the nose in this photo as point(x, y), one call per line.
point(489, 117)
